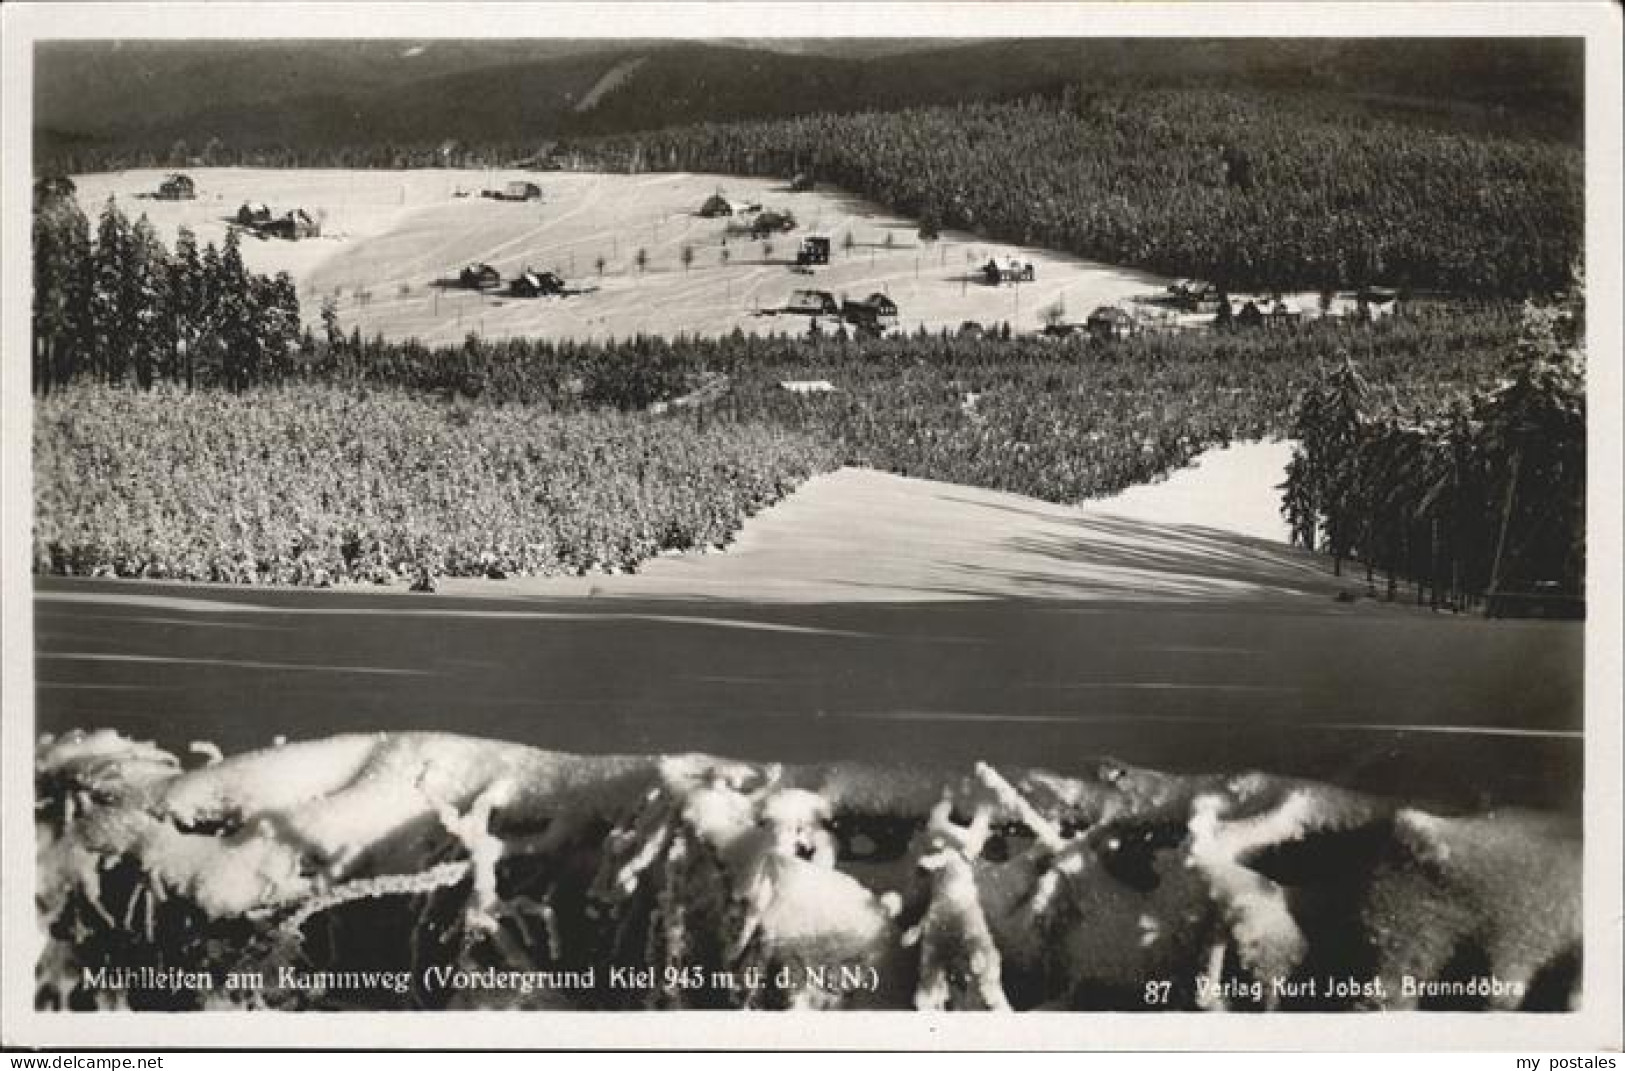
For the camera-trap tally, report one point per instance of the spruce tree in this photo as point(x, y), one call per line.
point(143, 300)
point(62, 265)
point(188, 305)
point(110, 326)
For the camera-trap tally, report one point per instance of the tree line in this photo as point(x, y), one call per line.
point(1063, 420)
point(117, 306)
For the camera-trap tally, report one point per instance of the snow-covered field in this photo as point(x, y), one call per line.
point(1234, 489)
point(1210, 531)
point(389, 235)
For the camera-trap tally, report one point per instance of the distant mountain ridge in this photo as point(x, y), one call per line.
point(149, 96)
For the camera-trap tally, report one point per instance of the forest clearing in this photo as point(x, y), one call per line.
point(389, 237)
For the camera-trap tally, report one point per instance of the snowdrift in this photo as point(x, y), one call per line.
point(425, 871)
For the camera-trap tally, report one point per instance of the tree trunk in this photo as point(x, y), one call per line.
point(1501, 536)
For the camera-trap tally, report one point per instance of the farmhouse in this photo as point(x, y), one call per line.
point(1007, 270)
point(253, 214)
point(1282, 313)
point(1194, 295)
point(877, 312)
point(176, 187)
point(535, 284)
point(717, 206)
point(772, 222)
point(812, 303)
point(293, 225)
point(479, 277)
point(517, 190)
point(814, 250)
point(1109, 323)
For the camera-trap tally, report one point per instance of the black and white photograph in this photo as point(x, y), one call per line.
point(1046, 510)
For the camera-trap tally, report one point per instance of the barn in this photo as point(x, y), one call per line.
point(1283, 313)
point(292, 225)
point(519, 190)
point(1109, 323)
point(717, 206)
point(812, 303)
point(253, 214)
point(1249, 314)
point(814, 250)
point(1008, 270)
point(877, 312)
point(1195, 295)
point(802, 183)
point(530, 283)
point(177, 187)
point(479, 277)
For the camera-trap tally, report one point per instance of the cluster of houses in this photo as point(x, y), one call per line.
point(763, 222)
point(720, 206)
point(1197, 296)
point(527, 284)
point(293, 224)
point(875, 314)
point(1200, 304)
point(1008, 270)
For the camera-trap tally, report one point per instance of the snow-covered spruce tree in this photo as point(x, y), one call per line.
point(111, 322)
point(145, 299)
point(189, 313)
point(1320, 486)
point(61, 282)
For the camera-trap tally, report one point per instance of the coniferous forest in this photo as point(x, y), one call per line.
point(1247, 190)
